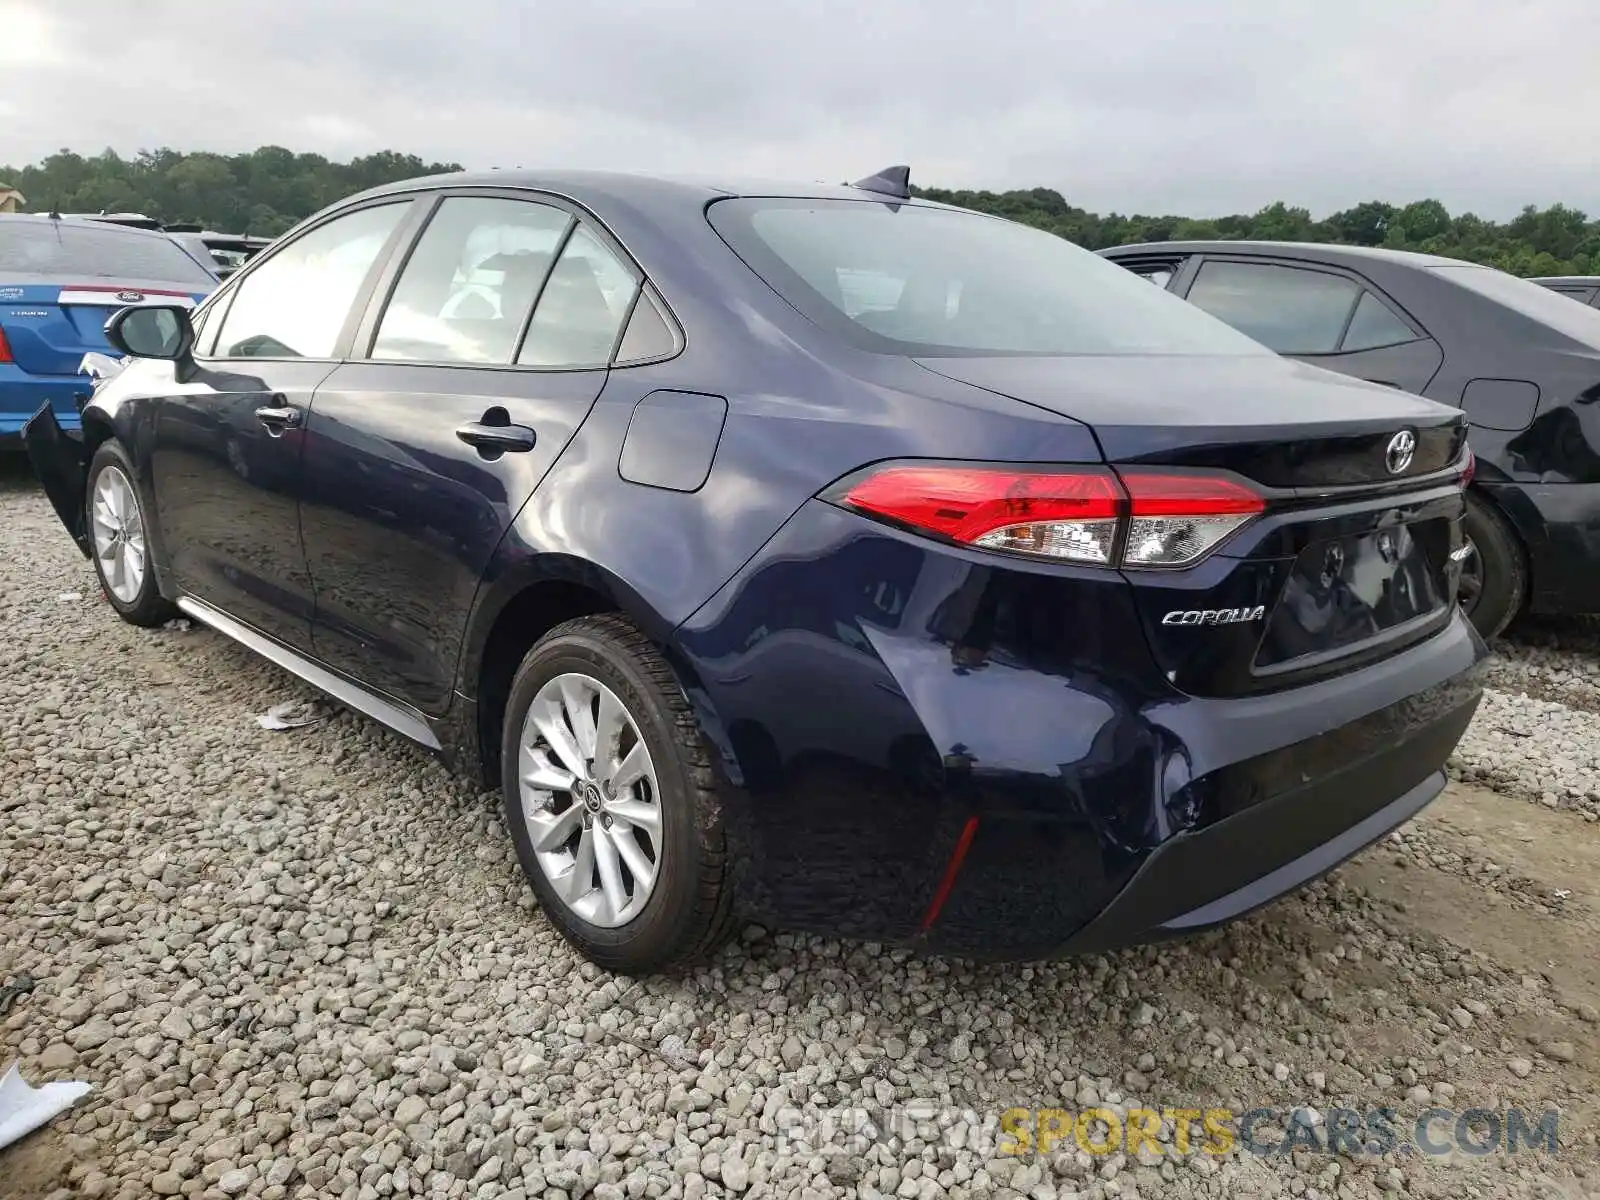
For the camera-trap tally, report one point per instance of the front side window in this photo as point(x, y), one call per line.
point(295, 304)
point(465, 292)
point(1287, 309)
point(581, 310)
point(917, 279)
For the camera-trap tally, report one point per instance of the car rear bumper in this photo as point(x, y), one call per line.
point(21, 395)
point(1560, 525)
point(984, 761)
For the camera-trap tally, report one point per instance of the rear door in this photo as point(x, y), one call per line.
point(225, 456)
point(1323, 315)
point(456, 403)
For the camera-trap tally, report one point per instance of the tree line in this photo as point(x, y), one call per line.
point(267, 190)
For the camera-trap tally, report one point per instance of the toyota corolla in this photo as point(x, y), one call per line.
point(806, 554)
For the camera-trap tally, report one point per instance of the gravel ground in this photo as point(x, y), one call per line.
point(303, 964)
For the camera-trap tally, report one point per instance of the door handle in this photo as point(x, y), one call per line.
point(278, 419)
point(498, 438)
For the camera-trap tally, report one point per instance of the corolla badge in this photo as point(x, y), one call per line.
point(1214, 616)
point(130, 297)
point(1402, 448)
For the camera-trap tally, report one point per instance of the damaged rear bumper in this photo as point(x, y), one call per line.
point(61, 463)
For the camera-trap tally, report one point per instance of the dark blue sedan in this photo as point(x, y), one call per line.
point(805, 554)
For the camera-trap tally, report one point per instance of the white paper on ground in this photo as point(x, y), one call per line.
point(23, 1108)
point(291, 714)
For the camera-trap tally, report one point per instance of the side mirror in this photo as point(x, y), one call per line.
point(152, 331)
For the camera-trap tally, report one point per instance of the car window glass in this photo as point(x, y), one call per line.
point(916, 279)
point(648, 335)
point(1160, 276)
point(294, 304)
point(1373, 325)
point(1287, 309)
point(582, 307)
point(467, 289)
point(202, 321)
point(82, 250)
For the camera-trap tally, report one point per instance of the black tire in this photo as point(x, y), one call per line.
point(688, 914)
point(1494, 579)
point(147, 607)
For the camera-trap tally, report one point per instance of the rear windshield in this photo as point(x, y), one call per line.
point(1531, 300)
point(72, 251)
point(909, 279)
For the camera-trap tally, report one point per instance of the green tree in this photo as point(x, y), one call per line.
point(266, 190)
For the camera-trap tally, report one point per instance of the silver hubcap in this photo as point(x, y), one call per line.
point(118, 533)
point(590, 800)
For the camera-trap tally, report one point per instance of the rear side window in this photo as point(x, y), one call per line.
point(915, 279)
point(1374, 326)
point(1287, 309)
point(296, 302)
point(649, 336)
point(467, 289)
point(581, 310)
point(76, 250)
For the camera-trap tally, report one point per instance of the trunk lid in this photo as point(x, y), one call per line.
point(51, 326)
point(1280, 423)
point(1357, 555)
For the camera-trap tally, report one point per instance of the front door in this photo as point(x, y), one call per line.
point(228, 438)
point(418, 458)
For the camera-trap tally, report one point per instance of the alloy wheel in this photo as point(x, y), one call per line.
point(590, 799)
point(117, 529)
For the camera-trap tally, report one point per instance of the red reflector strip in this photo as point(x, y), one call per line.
point(963, 844)
point(965, 503)
point(1470, 471)
point(5, 349)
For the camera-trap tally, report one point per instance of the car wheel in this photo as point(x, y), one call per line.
point(119, 537)
point(1493, 576)
point(609, 795)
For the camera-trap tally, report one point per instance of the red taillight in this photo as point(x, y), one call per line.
point(1178, 519)
point(1078, 514)
point(1470, 471)
point(5, 348)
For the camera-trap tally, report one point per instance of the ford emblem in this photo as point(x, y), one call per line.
point(130, 297)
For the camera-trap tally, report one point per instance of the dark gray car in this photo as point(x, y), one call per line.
point(1522, 361)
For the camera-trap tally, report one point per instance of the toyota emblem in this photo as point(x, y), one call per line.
point(130, 297)
point(1402, 447)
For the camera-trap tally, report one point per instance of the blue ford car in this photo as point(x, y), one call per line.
point(60, 279)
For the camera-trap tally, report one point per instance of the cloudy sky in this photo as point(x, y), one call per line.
point(1186, 106)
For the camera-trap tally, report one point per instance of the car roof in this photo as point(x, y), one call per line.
point(1318, 251)
point(112, 227)
point(634, 188)
point(1581, 280)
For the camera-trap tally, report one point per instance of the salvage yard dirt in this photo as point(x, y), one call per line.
point(304, 964)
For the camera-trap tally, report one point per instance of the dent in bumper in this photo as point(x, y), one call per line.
point(879, 693)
